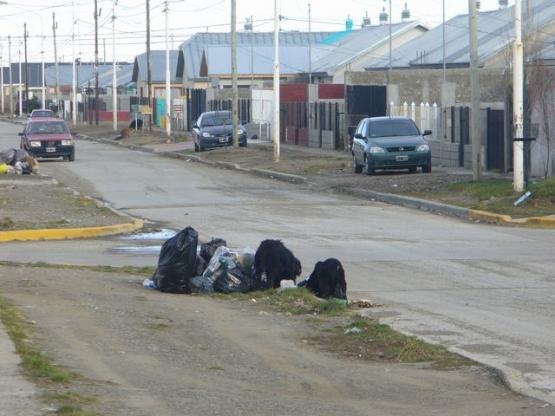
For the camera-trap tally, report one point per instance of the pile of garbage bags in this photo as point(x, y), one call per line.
point(17, 162)
point(184, 267)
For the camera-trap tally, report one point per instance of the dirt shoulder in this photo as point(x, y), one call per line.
point(36, 202)
point(142, 352)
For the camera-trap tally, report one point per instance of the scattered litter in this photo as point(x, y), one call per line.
point(162, 234)
point(253, 300)
point(395, 185)
point(286, 285)
point(17, 161)
point(353, 330)
point(522, 199)
point(363, 304)
point(263, 313)
point(149, 283)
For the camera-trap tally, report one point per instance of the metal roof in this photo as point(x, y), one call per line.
point(84, 73)
point(124, 73)
point(157, 66)
point(495, 32)
point(341, 50)
point(259, 45)
point(35, 74)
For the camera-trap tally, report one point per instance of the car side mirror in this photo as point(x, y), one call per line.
point(359, 136)
point(427, 133)
point(195, 126)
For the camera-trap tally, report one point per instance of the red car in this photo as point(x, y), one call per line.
point(48, 138)
point(43, 114)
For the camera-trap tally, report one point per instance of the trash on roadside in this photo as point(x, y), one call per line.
point(327, 280)
point(18, 161)
point(4, 168)
point(522, 199)
point(208, 249)
point(273, 262)
point(149, 283)
point(230, 271)
point(363, 304)
point(286, 285)
point(353, 330)
point(177, 262)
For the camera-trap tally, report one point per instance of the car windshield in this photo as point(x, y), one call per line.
point(57, 127)
point(45, 113)
point(392, 128)
point(216, 119)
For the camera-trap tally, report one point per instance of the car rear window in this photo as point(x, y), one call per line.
point(47, 127)
point(42, 114)
point(391, 128)
point(219, 119)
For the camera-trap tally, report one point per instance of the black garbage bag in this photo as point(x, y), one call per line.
point(177, 262)
point(327, 280)
point(200, 266)
point(208, 249)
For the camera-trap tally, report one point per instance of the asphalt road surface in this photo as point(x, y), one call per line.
point(486, 291)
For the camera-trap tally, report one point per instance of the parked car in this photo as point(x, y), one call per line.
point(390, 143)
point(42, 113)
point(214, 129)
point(48, 138)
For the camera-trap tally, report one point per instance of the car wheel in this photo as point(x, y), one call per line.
point(370, 170)
point(427, 168)
point(196, 147)
point(412, 169)
point(71, 157)
point(356, 167)
point(200, 148)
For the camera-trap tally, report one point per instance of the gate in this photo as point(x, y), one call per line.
point(363, 101)
point(464, 137)
point(496, 140)
point(196, 105)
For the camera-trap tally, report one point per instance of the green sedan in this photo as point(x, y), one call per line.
point(390, 143)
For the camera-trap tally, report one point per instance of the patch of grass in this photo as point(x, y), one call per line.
point(7, 223)
point(139, 271)
point(73, 411)
point(33, 361)
point(496, 195)
point(72, 397)
point(367, 339)
point(298, 301)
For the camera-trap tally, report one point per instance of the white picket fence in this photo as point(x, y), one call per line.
point(426, 116)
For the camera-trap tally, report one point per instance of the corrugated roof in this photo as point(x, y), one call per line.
point(35, 74)
point(293, 52)
point(157, 66)
point(84, 73)
point(495, 32)
point(344, 49)
point(124, 74)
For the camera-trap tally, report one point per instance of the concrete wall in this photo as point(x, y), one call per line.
point(425, 85)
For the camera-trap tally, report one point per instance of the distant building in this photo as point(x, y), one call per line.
point(158, 74)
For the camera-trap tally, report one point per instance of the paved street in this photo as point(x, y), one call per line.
point(486, 291)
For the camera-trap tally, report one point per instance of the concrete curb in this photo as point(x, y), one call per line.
point(71, 233)
point(393, 199)
point(265, 173)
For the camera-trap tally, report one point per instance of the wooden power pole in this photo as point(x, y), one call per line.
point(26, 69)
point(235, 99)
point(96, 97)
point(56, 66)
point(148, 68)
point(475, 92)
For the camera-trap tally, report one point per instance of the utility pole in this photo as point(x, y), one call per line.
point(73, 69)
point(444, 63)
point(10, 89)
point(104, 46)
point(518, 102)
point(390, 44)
point(57, 67)
point(235, 99)
point(276, 80)
point(114, 70)
point(26, 69)
point(2, 77)
point(168, 78)
point(20, 89)
point(148, 69)
point(309, 43)
point(43, 76)
point(475, 92)
point(96, 97)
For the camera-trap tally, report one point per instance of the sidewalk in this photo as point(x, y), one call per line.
point(18, 397)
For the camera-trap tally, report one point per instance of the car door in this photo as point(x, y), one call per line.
point(358, 143)
point(196, 129)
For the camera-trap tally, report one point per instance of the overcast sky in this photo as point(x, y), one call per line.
point(186, 18)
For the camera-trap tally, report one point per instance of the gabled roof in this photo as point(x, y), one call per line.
point(157, 66)
point(84, 73)
point(124, 73)
point(35, 74)
point(495, 33)
point(252, 46)
point(345, 47)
